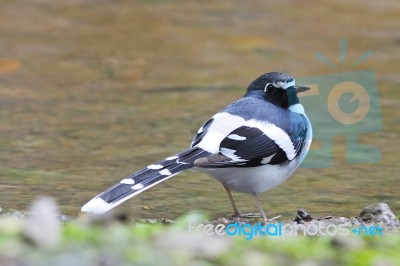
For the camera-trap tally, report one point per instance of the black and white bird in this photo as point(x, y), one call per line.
point(251, 146)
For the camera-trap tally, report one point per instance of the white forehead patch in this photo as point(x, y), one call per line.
point(281, 84)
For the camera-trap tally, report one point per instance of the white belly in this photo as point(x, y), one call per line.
point(254, 179)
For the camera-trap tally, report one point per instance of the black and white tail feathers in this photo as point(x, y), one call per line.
point(143, 180)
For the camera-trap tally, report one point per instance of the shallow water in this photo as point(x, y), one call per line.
point(91, 91)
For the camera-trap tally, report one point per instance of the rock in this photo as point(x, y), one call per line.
point(302, 216)
point(166, 221)
point(42, 227)
point(379, 213)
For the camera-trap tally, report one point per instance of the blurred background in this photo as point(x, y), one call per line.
point(91, 91)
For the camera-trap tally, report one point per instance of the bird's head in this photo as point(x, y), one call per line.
point(276, 88)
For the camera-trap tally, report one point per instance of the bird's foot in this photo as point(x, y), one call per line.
point(259, 215)
point(272, 220)
point(242, 218)
point(250, 215)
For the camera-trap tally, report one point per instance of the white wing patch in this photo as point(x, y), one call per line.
point(231, 154)
point(267, 159)
point(236, 137)
point(225, 123)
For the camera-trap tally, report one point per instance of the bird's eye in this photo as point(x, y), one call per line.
point(271, 89)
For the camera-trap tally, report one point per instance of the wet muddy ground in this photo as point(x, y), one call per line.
point(91, 91)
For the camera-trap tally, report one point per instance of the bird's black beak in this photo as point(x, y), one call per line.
point(301, 88)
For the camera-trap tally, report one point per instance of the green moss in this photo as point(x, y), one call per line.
point(172, 244)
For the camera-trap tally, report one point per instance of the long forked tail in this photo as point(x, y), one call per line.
point(143, 180)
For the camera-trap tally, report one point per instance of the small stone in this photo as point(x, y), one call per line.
point(149, 220)
point(302, 216)
point(166, 221)
point(379, 213)
point(222, 220)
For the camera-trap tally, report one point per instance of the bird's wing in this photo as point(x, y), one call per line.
point(257, 143)
point(201, 133)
